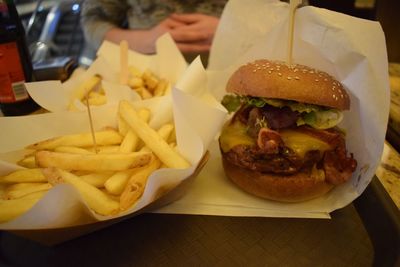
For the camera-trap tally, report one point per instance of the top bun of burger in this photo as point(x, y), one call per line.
point(275, 79)
point(282, 143)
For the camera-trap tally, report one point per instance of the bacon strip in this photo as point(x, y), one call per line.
point(337, 166)
point(329, 136)
point(269, 141)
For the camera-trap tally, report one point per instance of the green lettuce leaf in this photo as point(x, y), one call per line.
point(231, 102)
point(313, 115)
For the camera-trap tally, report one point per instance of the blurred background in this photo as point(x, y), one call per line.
point(53, 27)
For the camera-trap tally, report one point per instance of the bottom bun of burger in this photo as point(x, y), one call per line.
point(285, 188)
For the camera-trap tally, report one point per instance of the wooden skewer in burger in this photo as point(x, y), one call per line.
point(282, 143)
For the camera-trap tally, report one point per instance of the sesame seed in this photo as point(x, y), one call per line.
point(280, 74)
point(316, 80)
point(269, 72)
point(297, 78)
point(289, 78)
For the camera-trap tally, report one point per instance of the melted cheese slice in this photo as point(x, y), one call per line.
point(234, 134)
point(300, 143)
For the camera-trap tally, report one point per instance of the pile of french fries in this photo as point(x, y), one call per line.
point(145, 83)
point(109, 168)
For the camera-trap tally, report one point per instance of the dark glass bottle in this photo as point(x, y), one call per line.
point(15, 63)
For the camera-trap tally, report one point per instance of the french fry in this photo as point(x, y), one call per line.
point(135, 82)
point(96, 199)
point(23, 176)
point(172, 136)
point(143, 92)
point(129, 143)
point(106, 137)
point(97, 99)
point(168, 89)
point(2, 190)
point(28, 162)
point(160, 88)
point(83, 89)
point(164, 132)
point(95, 162)
point(136, 184)
point(150, 80)
point(131, 140)
point(124, 62)
point(10, 209)
point(123, 127)
point(144, 114)
point(73, 150)
point(151, 138)
point(116, 183)
point(22, 189)
point(107, 149)
point(133, 71)
point(96, 179)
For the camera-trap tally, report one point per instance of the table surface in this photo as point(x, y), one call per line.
point(389, 169)
point(185, 240)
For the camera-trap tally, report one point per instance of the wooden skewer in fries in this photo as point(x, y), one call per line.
point(292, 12)
point(123, 62)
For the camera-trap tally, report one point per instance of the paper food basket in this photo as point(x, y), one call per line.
point(62, 214)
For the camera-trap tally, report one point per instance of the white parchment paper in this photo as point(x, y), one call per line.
point(351, 49)
point(63, 206)
point(55, 96)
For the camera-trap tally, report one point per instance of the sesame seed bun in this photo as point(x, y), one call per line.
point(275, 79)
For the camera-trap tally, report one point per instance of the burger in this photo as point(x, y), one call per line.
point(282, 143)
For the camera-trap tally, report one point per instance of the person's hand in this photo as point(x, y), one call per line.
point(143, 41)
point(196, 33)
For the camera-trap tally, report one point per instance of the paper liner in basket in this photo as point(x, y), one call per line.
point(326, 40)
point(189, 106)
point(55, 96)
